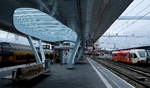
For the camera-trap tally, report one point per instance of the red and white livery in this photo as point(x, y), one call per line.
point(130, 56)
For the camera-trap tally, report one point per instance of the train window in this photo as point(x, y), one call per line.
point(114, 55)
point(131, 55)
point(134, 55)
point(127, 55)
point(141, 53)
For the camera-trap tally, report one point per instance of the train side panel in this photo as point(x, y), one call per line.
point(139, 56)
point(130, 56)
point(121, 56)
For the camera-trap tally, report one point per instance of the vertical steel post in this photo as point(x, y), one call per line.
point(42, 52)
point(34, 50)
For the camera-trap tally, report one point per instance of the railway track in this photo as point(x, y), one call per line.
point(132, 68)
point(139, 70)
point(137, 76)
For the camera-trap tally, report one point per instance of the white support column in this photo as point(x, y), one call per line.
point(63, 56)
point(42, 51)
point(80, 53)
point(71, 59)
point(34, 50)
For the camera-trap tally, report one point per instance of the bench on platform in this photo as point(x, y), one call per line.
point(27, 73)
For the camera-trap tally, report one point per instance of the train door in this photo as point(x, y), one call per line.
point(142, 56)
point(128, 59)
point(0, 53)
point(133, 57)
point(148, 56)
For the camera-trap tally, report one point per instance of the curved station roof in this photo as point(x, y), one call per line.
point(42, 26)
point(88, 18)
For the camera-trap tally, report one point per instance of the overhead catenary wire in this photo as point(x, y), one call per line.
point(137, 19)
point(120, 27)
point(134, 7)
point(132, 11)
point(127, 26)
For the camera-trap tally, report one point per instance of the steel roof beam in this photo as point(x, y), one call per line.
point(134, 18)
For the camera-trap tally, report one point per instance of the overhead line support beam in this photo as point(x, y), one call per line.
point(134, 18)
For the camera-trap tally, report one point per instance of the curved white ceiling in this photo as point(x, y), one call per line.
point(42, 26)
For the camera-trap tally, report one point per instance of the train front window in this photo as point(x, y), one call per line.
point(134, 55)
point(141, 53)
point(148, 53)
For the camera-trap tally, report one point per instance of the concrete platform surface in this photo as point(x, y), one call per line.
point(110, 79)
point(83, 76)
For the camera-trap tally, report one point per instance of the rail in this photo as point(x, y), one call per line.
point(132, 74)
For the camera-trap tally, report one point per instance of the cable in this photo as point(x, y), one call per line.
point(131, 11)
point(128, 13)
point(135, 7)
point(135, 15)
point(137, 19)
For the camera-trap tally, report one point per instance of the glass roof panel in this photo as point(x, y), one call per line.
point(40, 25)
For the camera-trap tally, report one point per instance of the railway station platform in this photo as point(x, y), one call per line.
point(87, 74)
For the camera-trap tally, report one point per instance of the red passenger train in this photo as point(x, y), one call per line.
point(130, 56)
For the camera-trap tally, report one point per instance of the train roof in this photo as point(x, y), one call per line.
point(121, 52)
point(12, 44)
point(139, 47)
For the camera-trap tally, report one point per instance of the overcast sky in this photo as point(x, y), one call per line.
point(129, 27)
